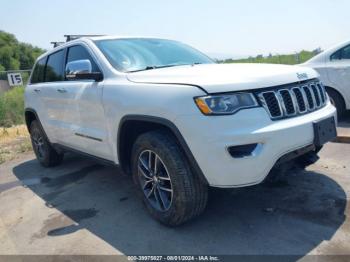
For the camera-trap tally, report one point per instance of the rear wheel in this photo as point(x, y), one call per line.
point(172, 193)
point(45, 153)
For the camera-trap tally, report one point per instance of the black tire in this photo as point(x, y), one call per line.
point(279, 174)
point(189, 194)
point(308, 158)
point(45, 153)
point(338, 101)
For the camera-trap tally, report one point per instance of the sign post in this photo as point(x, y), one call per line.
point(14, 79)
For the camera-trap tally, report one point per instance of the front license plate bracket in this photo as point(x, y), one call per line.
point(324, 131)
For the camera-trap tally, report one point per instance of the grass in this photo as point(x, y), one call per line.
point(13, 140)
point(14, 137)
point(12, 107)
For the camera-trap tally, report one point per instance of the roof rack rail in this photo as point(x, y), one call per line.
point(73, 37)
point(56, 43)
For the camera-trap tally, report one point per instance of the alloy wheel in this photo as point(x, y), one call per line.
point(155, 180)
point(38, 144)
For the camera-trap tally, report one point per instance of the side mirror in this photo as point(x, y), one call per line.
point(81, 69)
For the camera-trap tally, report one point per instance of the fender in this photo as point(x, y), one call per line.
point(340, 92)
point(176, 132)
point(31, 110)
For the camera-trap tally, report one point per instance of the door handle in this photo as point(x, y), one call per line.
point(37, 90)
point(61, 90)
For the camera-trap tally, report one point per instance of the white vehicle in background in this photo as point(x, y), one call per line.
point(333, 65)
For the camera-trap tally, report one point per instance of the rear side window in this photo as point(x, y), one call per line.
point(54, 67)
point(79, 52)
point(343, 53)
point(346, 52)
point(38, 72)
point(336, 55)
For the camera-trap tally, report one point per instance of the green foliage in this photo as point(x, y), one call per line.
point(290, 59)
point(15, 55)
point(12, 107)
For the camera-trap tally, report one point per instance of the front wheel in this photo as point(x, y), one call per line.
point(172, 193)
point(309, 158)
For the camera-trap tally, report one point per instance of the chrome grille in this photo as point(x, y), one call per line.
point(316, 95)
point(293, 101)
point(300, 99)
point(287, 100)
point(310, 97)
point(272, 105)
point(321, 92)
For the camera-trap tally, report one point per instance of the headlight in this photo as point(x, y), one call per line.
point(225, 104)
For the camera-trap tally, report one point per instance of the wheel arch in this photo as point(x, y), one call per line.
point(341, 95)
point(30, 115)
point(131, 126)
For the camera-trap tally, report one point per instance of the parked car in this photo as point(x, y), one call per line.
point(173, 118)
point(333, 65)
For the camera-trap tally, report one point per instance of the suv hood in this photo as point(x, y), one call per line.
point(216, 78)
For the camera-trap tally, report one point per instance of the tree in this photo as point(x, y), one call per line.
point(15, 55)
point(289, 59)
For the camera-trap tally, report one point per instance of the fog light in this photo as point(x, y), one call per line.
point(242, 150)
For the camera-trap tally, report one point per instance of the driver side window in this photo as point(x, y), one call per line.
point(79, 52)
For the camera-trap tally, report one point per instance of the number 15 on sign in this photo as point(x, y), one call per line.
point(14, 79)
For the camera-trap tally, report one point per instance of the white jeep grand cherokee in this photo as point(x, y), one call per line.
point(173, 118)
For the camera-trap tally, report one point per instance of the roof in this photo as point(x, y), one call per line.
point(328, 52)
point(82, 38)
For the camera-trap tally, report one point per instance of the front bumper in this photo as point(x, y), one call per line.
point(209, 137)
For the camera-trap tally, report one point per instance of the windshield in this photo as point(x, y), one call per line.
point(137, 54)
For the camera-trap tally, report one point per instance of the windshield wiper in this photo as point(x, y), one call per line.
point(161, 66)
point(142, 69)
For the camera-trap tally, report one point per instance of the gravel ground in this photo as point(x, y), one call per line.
point(84, 208)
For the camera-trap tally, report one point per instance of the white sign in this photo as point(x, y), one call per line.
point(15, 79)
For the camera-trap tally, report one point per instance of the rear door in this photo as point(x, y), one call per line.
point(52, 93)
point(35, 95)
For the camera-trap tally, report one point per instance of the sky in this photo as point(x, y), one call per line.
point(221, 28)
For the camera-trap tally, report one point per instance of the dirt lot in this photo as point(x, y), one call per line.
point(13, 141)
point(82, 207)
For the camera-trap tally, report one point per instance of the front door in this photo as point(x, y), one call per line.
point(83, 110)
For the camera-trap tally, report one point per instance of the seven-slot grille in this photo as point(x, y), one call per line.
point(285, 102)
